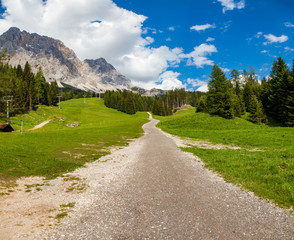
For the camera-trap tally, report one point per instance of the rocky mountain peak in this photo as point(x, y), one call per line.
point(59, 62)
point(100, 65)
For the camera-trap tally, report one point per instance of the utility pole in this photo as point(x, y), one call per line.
point(59, 96)
point(21, 129)
point(8, 99)
point(84, 98)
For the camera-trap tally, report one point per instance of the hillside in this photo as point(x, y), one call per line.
point(58, 147)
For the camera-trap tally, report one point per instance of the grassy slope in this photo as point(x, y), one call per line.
point(56, 148)
point(270, 174)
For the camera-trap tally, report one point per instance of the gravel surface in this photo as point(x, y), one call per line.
point(40, 125)
point(160, 192)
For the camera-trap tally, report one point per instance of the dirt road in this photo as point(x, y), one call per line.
point(165, 193)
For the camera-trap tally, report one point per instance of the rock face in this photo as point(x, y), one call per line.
point(61, 63)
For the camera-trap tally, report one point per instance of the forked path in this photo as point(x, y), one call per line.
point(166, 194)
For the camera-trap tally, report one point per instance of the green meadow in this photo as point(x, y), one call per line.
point(269, 173)
point(56, 148)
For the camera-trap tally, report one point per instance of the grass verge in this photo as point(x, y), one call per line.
point(268, 173)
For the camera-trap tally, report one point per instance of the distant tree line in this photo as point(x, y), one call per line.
point(129, 102)
point(243, 93)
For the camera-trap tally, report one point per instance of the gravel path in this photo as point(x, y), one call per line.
point(40, 125)
point(164, 193)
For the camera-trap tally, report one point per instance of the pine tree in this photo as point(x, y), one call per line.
point(155, 107)
point(40, 88)
point(257, 114)
point(235, 79)
point(220, 94)
point(238, 108)
point(53, 92)
point(290, 100)
point(130, 105)
point(278, 85)
point(201, 106)
point(247, 96)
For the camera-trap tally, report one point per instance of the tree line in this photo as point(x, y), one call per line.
point(129, 102)
point(272, 98)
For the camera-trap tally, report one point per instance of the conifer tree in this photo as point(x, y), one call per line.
point(235, 79)
point(201, 105)
point(290, 100)
point(220, 94)
point(279, 90)
point(257, 114)
point(53, 92)
point(40, 87)
point(247, 95)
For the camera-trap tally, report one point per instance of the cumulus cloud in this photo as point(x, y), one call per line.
point(167, 80)
point(202, 27)
point(199, 56)
point(274, 39)
point(231, 4)
point(171, 28)
point(96, 28)
point(99, 28)
point(203, 88)
point(116, 33)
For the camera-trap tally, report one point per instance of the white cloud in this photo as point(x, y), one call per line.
point(202, 27)
point(146, 30)
point(288, 49)
point(117, 34)
point(149, 40)
point(273, 39)
point(146, 64)
point(199, 56)
point(289, 24)
point(203, 88)
point(167, 80)
point(231, 4)
point(168, 39)
point(171, 28)
point(258, 35)
point(97, 28)
point(196, 82)
point(264, 51)
point(225, 70)
point(210, 39)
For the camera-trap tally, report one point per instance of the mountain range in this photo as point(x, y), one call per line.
point(59, 63)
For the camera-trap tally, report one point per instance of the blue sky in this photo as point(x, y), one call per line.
point(235, 31)
point(165, 43)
